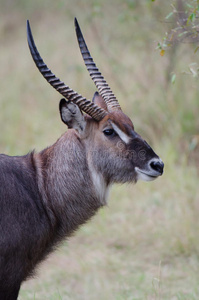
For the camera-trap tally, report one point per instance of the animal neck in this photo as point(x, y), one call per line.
point(69, 183)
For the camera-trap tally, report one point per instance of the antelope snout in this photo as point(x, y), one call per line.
point(157, 165)
point(151, 171)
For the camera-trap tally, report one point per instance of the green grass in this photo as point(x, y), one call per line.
point(145, 244)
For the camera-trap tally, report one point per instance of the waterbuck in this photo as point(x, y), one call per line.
point(46, 196)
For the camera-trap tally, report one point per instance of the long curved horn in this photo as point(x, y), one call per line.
point(96, 76)
point(87, 106)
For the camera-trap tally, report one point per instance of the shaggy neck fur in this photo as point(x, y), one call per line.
point(70, 185)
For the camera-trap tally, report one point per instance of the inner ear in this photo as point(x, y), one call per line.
point(99, 101)
point(71, 115)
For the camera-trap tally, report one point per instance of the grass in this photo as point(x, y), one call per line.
point(144, 245)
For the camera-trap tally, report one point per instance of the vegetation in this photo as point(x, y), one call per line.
point(145, 244)
point(182, 27)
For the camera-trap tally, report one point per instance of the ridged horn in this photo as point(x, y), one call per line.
point(85, 105)
point(96, 76)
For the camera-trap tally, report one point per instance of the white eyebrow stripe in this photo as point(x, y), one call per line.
point(124, 137)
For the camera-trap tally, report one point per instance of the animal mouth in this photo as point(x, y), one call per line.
point(146, 175)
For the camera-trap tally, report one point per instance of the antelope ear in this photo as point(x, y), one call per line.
point(71, 115)
point(99, 101)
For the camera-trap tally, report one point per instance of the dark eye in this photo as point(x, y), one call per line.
point(109, 132)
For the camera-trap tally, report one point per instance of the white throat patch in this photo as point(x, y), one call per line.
point(100, 186)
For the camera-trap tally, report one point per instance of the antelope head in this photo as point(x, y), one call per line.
point(115, 152)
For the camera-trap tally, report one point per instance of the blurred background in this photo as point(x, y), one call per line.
point(145, 243)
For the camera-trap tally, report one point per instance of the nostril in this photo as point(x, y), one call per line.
point(157, 166)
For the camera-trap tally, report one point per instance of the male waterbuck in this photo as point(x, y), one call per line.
point(46, 196)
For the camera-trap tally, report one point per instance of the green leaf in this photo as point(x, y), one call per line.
point(173, 78)
point(169, 15)
point(159, 46)
point(191, 18)
point(193, 144)
point(196, 49)
point(182, 33)
point(189, 5)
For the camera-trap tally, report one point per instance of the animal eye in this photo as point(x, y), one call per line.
point(109, 132)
